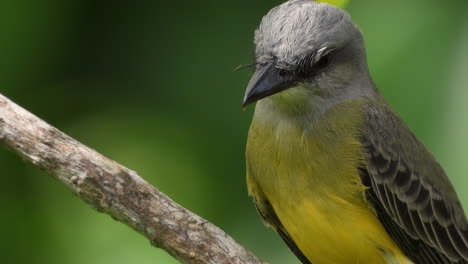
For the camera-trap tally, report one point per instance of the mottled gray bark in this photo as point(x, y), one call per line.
point(113, 189)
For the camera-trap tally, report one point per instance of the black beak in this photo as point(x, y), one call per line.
point(266, 81)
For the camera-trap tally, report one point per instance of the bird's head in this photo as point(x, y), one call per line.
point(306, 48)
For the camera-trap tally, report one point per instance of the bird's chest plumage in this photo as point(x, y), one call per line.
point(310, 176)
point(314, 160)
point(285, 158)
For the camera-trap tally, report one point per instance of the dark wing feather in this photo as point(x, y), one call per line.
point(412, 196)
point(268, 214)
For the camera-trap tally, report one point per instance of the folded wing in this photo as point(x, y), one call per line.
point(411, 193)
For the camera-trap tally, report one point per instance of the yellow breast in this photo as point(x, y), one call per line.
point(310, 175)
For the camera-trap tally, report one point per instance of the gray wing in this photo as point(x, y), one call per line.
point(411, 193)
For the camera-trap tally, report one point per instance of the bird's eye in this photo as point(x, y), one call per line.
point(308, 68)
point(324, 61)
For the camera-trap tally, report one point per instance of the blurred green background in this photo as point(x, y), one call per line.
point(151, 85)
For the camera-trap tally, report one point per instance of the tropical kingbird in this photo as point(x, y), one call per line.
point(330, 166)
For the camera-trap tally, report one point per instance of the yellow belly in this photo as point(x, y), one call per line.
point(311, 178)
point(338, 232)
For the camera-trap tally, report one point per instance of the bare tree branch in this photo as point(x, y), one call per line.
point(113, 189)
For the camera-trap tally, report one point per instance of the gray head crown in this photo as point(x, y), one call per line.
point(299, 27)
point(311, 44)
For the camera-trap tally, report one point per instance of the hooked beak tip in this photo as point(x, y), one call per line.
point(246, 102)
point(244, 105)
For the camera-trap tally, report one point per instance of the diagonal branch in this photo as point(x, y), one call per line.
point(113, 189)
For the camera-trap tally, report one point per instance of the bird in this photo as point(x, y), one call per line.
point(331, 167)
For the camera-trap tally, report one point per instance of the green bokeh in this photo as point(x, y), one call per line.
point(150, 84)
